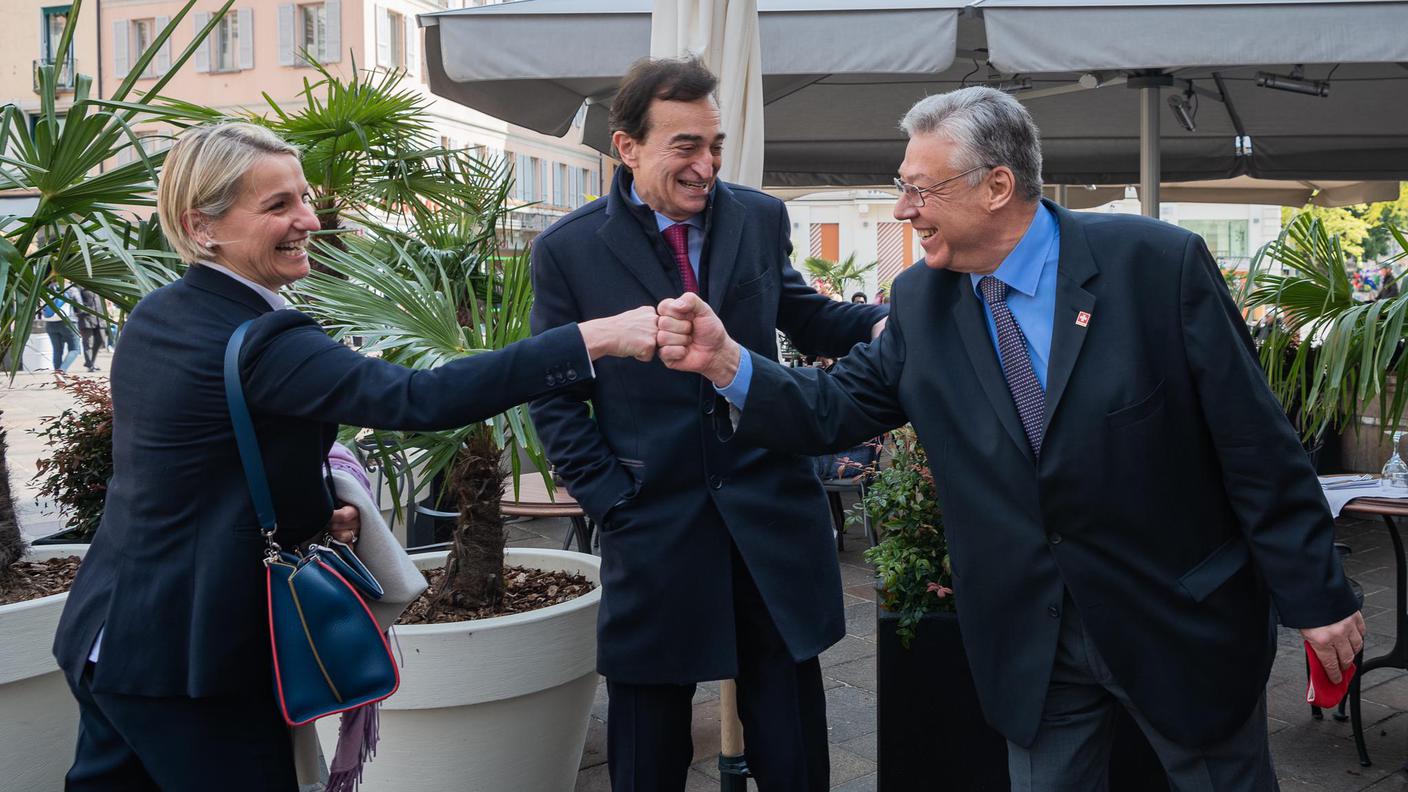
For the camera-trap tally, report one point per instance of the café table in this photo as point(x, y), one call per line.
point(533, 500)
point(1397, 656)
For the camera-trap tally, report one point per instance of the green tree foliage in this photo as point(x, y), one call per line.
point(1362, 229)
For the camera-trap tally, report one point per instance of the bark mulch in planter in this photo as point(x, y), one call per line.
point(37, 579)
point(524, 590)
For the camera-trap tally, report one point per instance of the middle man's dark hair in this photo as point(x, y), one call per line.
point(649, 79)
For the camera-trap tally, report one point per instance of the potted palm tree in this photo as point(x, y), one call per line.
point(836, 276)
point(79, 233)
point(1329, 358)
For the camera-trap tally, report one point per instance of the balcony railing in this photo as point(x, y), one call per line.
point(63, 75)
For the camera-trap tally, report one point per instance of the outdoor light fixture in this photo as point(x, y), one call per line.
point(1294, 82)
point(1185, 109)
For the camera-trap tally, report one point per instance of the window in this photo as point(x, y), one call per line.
point(559, 185)
point(397, 40)
point(313, 30)
point(225, 44)
point(55, 22)
point(142, 32)
point(1227, 239)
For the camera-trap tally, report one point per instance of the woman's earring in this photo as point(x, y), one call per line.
point(209, 245)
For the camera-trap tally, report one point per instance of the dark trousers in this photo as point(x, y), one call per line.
point(131, 743)
point(780, 701)
point(1071, 752)
point(92, 341)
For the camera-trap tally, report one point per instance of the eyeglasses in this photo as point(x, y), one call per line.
point(914, 195)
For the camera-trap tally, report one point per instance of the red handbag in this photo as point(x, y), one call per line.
point(1319, 690)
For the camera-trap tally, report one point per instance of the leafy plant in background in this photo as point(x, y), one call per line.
point(76, 472)
point(837, 275)
point(1324, 354)
point(81, 231)
point(911, 559)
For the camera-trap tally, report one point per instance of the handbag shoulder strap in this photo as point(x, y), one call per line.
point(244, 435)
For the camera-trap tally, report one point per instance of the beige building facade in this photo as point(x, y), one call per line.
point(30, 36)
point(259, 48)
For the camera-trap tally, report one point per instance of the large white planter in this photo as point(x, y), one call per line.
point(38, 716)
point(496, 705)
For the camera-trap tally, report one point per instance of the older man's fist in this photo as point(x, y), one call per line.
point(690, 337)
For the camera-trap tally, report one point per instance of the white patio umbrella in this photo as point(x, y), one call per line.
point(837, 75)
point(723, 34)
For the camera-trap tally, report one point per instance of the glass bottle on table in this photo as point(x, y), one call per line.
point(1395, 472)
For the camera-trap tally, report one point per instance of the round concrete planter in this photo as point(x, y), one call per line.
point(39, 725)
point(494, 705)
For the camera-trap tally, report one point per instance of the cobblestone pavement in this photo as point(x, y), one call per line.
point(1309, 754)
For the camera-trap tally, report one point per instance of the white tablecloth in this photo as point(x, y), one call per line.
point(1337, 498)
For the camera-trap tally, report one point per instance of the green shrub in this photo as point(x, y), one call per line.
point(911, 560)
point(75, 475)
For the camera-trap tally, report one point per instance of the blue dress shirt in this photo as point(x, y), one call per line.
point(737, 391)
point(1030, 274)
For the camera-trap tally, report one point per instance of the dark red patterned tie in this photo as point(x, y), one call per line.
point(678, 237)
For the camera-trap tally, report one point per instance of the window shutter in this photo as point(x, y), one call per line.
point(520, 177)
point(163, 55)
point(383, 37)
point(120, 39)
point(246, 33)
point(412, 46)
point(201, 19)
point(287, 49)
point(332, 44)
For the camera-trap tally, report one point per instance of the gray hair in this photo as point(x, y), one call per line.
point(988, 127)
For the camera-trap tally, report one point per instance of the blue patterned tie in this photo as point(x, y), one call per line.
point(1016, 364)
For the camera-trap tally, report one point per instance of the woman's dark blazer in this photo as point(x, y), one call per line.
point(174, 575)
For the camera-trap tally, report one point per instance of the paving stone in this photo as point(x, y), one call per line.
point(594, 779)
point(850, 712)
point(860, 619)
point(849, 648)
point(1321, 753)
point(857, 673)
point(846, 766)
point(594, 752)
point(856, 575)
point(865, 746)
point(866, 783)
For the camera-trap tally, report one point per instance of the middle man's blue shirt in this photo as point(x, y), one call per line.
point(1030, 274)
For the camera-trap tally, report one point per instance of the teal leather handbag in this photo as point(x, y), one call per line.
point(329, 654)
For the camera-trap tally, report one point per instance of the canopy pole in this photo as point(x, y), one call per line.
point(1149, 165)
point(1061, 195)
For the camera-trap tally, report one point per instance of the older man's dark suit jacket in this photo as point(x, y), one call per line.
point(644, 457)
point(1172, 499)
point(174, 574)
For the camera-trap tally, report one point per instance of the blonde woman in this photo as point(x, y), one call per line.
point(163, 638)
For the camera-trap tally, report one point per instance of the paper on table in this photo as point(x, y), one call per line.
point(1337, 498)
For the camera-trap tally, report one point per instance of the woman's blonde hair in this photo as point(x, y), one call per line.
point(204, 171)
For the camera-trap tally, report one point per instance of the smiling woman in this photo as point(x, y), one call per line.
point(162, 637)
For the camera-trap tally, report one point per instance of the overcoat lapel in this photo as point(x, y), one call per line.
point(725, 229)
point(622, 234)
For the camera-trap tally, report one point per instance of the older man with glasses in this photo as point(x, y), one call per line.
point(1124, 498)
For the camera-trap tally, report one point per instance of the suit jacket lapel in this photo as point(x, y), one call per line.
point(623, 235)
point(967, 313)
point(1076, 268)
point(725, 232)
